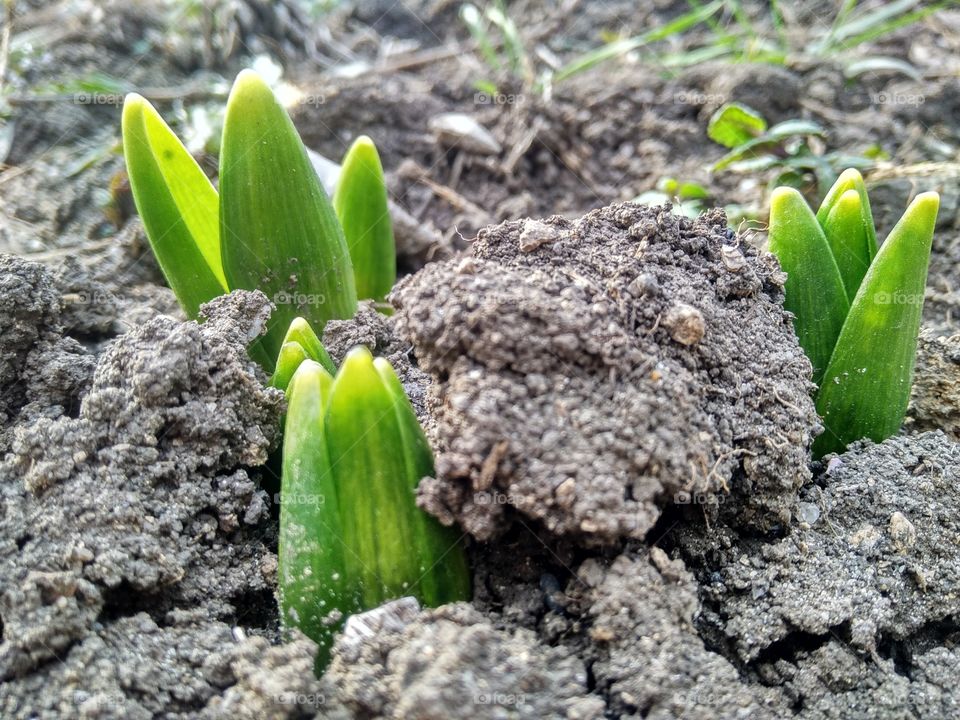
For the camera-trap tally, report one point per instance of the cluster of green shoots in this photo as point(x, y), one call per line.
point(856, 307)
point(351, 535)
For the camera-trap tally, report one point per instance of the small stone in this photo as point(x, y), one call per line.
point(685, 324)
point(808, 512)
point(463, 131)
point(733, 259)
point(903, 534)
point(536, 233)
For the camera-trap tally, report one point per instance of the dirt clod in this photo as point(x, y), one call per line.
point(621, 363)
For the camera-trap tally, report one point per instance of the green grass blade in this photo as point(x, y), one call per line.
point(278, 230)
point(375, 480)
point(814, 289)
point(851, 179)
point(312, 571)
point(621, 47)
point(849, 240)
point(178, 205)
point(866, 387)
point(360, 202)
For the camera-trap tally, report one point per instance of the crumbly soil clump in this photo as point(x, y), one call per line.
point(590, 372)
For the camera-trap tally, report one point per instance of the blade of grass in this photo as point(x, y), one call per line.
point(621, 47)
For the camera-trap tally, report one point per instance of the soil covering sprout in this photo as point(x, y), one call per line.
point(856, 308)
point(271, 226)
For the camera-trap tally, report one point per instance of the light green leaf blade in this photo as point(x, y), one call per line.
point(278, 230)
point(448, 579)
point(866, 387)
point(734, 124)
point(814, 289)
point(375, 480)
point(360, 201)
point(312, 574)
point(178, 205)
point(289, 359)
point(849, 240)
point(302, 333)
point(851, 179)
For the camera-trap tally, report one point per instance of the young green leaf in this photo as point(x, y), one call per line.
point(849, 240)
point(178, 205)
point(734, 124)
point(814, 289)
point(850, 179)
point(360, 201)
point(395, 549)
point(278, 230)
point(866, 386)
point(289, 359)
point(449, 578)
point(313, 586)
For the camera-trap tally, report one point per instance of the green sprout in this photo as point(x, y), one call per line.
point(856, 308)
point(271, 227)
point(360, 200)
point(351, 535)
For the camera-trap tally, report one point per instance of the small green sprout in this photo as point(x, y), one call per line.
point(360, 201)
point(299, 344)
point(856, 309)
point(351, 534)
point(271, 227)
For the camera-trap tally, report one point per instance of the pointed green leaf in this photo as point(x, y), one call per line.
point(289, 360)
point(866, 387)
point(392, 551)
point(360, 201)
point(312, 587)
point(814, 289)
point(448, 580)
point(278, 230)
point(849, 240)
point(177, 203)
point(851, 179)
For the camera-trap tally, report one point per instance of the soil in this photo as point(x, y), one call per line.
point(619, 408)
